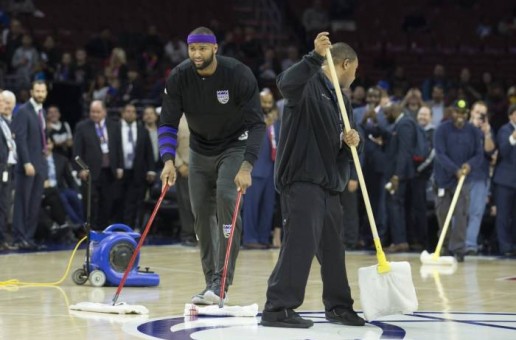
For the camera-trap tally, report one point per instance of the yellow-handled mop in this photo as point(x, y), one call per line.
point(385, 288)
point(436, 258)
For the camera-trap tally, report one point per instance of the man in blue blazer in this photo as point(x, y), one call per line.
point(258, 208)
point(505, 180)
point(31, 171)
point(399, 169)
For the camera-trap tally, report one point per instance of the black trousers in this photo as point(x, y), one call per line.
point(128, 206)
point(312, 222)
point(52, 212)
point(104, 192)
point(417, 223)
point(27, 202)
point(5, 201)
point(350, 224)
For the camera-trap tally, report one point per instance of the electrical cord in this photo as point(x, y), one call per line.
point(13, 284)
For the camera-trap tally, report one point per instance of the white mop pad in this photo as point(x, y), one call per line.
point(383, 294)
point(119, 308)
point(432, 259)
point(214, 310)
point(112, 318)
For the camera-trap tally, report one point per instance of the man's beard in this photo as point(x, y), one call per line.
point(39, 100)
point(205, 63)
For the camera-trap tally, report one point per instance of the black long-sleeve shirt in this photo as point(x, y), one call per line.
point(222, 110)
point(310, 147)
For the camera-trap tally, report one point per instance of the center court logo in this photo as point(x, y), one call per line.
point(420, 325)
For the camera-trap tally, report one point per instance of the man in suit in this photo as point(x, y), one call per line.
point(260, 197)
point(138, 165)
point(400, 169)
point(8, 158)
point(31, 171)
point(372, 125)
point(505, 179)
point(97, 142)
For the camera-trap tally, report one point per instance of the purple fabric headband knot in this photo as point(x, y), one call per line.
point(201, 38)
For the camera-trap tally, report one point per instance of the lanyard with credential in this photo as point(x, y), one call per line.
point(100, 132)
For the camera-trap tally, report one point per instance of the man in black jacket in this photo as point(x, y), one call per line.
point(97, 141)
point(138, 166)
point(312, 168)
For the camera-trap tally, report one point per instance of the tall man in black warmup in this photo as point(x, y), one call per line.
point(219, 97)
point(312, 169)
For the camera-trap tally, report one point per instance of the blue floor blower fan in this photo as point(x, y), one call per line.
point(108, 253)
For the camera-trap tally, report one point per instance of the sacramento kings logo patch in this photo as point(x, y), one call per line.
point(226, 228)
point(223, 96)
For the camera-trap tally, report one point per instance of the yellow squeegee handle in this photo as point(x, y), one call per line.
point(383, 265)
point(449, 216)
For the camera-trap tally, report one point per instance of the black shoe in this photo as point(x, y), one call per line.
point(471, 252)
point(459, 257)
point(254, 246)
point(25, 245)
point(286, 318)
point(417, 247)
point(8, 246)
point(346, 317)
point(509, 253)
point(189, 242)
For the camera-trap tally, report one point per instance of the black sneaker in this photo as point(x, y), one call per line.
point(286, 318)
point(346, 317)
point(459, 256)
point(201, 299)
point(212, 295)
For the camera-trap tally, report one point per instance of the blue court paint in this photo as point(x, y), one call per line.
point(419, 325)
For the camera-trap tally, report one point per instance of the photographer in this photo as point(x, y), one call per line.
point(479, 177)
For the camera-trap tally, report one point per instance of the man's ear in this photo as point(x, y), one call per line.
point(215, 48)
point(345, 64)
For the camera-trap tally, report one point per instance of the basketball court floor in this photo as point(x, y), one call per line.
point(475, 301)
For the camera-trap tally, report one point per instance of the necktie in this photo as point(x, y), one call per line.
point(272, 140)
point(130, 153)
point(103, 145)
point(42, 129)
point(100, 132)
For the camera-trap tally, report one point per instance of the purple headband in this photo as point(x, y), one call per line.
point(201, 38)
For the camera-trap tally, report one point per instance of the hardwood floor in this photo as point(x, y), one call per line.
point(480, 285)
